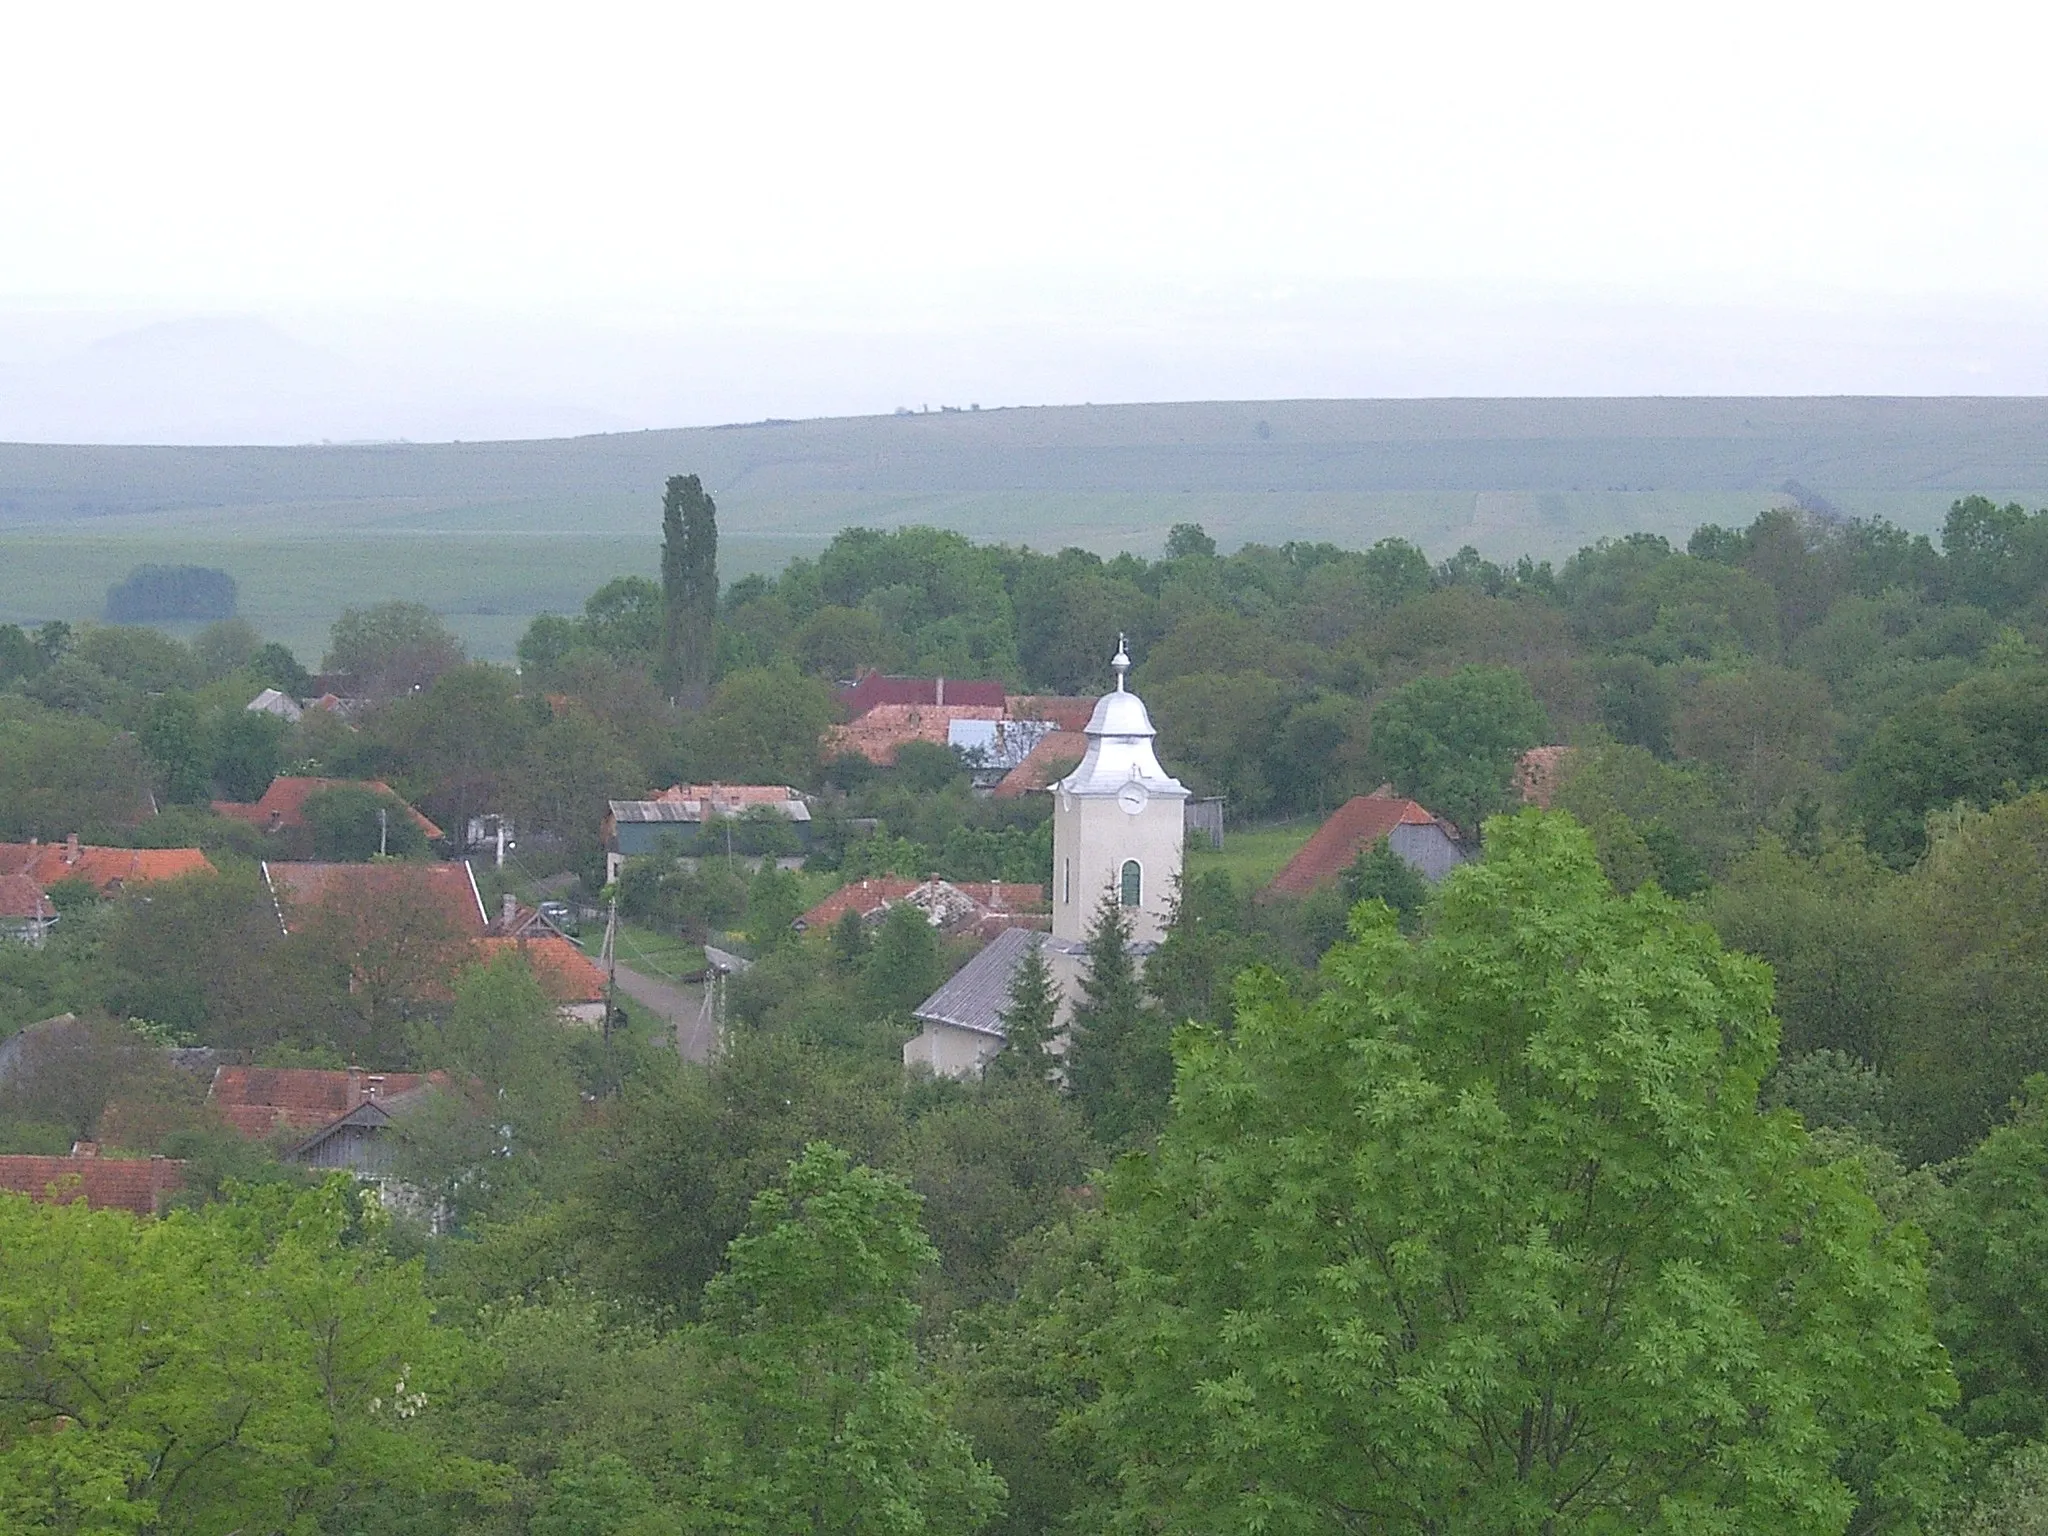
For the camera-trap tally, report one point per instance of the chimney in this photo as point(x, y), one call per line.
point(355, 1086)
point(510, 908)
point(85, 1149)
point(941, 699)
point(372, 1086)
point(71, 849)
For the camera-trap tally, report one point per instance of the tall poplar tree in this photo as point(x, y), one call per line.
point(689, 589)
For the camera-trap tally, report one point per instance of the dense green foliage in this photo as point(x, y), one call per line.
point(1366, 1209)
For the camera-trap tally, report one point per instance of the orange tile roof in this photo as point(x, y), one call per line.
point(1354, 827)
point(874, 689)
point(1538, 773)
point(869, 896)
point(102, 868)
point(259, 1101)
point(877, 734)
point(284, 804)
point(564, 972)
point(22, 900)
point(1068, 713)
point(1053, 758)
point(137, 1184)
point(450, 887)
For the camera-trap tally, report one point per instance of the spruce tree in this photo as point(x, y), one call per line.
point(689, 589)
point(1028, 1019)
point(1379, 873)
point(903, 963)
point(1119, 1064)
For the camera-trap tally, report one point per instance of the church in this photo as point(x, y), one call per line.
point(1119, 831)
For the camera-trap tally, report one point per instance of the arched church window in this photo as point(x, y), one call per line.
point(1132, 890)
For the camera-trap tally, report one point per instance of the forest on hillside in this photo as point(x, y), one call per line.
point(1675, 1165)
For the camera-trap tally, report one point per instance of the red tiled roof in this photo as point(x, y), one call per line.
point(258, 1101)
point(1356, 825)
point(23, 901)
point(1538, 773)
point(564, 972)
point(871, 895)
point(1069, 714)
point(874, 689)
point(1052, 758)
point(101, 868)
point(137, 1184)
point(877, 734)
point(450, 887)
point(284, 804)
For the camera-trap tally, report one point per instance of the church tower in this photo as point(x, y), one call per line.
point(1119, 823)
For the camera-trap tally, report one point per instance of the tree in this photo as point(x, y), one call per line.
point(902, 966)
point(390, 648)
point(1118, 1062)
point(1380, 874)
point(1207, 943)
point(1186, 541)
point(152, 594)
point(175, 742)
point(248, 750)
point(819, 1417)
point(263, 1364)
point(774, 902)
point(689, 589)
point(224, 648)
point(1028, 1017)
point(849, 942)
point(351, 823)
point(1991, 1275)
point(1452, 742)
point(276, 667)
point(763, 726)
point(60, 774)
point(1487, 1234)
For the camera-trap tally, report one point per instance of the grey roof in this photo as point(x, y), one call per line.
point(691, 812)
point(979, 992)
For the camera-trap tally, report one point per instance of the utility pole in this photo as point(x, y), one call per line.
point(610, 956)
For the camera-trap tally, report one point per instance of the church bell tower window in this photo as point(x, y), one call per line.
point(1066, 881)
point(1132, 887)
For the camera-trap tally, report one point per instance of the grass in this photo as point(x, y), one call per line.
point(1253, 856)
point(652, 953)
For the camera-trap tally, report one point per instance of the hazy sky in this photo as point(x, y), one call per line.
point(838, 207)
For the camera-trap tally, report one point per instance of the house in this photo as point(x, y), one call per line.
point(992, 748)
point(272, 702)
point(1051, 758)
point(25, 912)
point(320, 1118)
point(138, 1185)
point(283, 806)
point(883, 731)
point(873, 689)
point(446, 889)
point(571, 979)
point(1427, 842)
point(635, 828)
point(956, 906)
point(106, 870)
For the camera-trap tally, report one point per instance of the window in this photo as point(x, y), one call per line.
point(1066, 882)
point(1133, 886)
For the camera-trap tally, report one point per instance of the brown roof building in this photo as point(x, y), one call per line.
point(873, 689)
point(955, 905)
point(258, 1102)
point(1426, 841)
point(448, 888)
point(139, 1185)
point(104, 869)
point(283, 806)
point(1054, 757)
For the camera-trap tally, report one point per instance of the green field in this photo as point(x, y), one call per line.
point(489, 534)
point(1253, 856)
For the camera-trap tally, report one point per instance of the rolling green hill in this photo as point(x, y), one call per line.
point(491, 533)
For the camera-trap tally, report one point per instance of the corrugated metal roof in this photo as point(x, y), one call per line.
point(691, 812)
point(979, 992)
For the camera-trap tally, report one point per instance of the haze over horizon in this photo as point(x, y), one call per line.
point(249, 226)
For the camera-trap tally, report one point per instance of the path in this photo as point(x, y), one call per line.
point(681, 1004)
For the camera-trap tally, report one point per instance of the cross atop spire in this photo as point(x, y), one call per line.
point(1121, 661)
